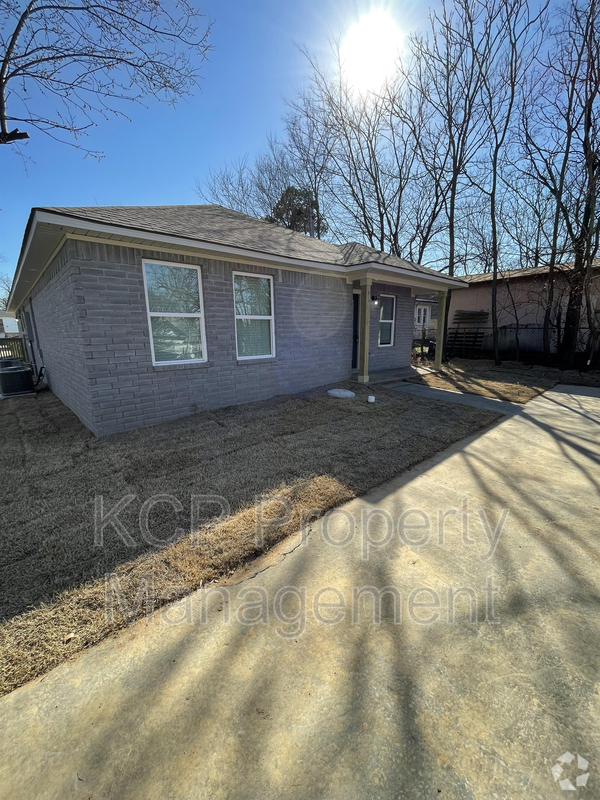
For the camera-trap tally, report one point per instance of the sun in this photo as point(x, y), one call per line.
point(370, 50)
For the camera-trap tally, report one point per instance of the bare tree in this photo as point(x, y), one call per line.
point(371, 184)
point(250, 188)
point(307, 146)
point(450, 79)
point(426, 194)
point(559, 123)
point(479, 155)
point(233, 186)
point(63, 65)
point(506, 49)
point(282, 186)
point(5, 287)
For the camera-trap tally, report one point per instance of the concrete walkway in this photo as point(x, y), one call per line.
point(462, 398)
point(480, 671)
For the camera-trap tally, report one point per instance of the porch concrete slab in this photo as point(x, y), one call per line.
point(448, 396)
point(388, 375)
point(480, 671)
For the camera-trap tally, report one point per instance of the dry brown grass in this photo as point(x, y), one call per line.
point(511, 381)
point(317, 451)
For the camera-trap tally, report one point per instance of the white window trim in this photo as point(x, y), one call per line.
point(151, 314)
point(424, 313)
point(252, 316)
point(392, 320)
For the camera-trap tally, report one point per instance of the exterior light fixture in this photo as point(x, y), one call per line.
point(374, 300)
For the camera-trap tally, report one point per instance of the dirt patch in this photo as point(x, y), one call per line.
point(572, 377)
point(294, 454)
point(511, 381)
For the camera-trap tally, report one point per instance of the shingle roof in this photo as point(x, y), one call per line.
point(484, 277)
point(218, 225)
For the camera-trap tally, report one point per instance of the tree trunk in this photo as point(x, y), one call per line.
point(548, 314)
point(572, 317)
point(451, 256)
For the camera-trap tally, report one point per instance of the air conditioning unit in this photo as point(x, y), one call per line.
point(15, 377)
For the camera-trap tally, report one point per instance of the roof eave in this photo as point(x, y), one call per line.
point(420, 280)
point(79, 227)
point(105, 230)
point(27, 236)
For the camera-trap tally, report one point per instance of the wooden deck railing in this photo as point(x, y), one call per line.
point(12, 348)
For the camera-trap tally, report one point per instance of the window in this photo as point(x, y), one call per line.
point(175, 313)
point(422, 315)
point(387, 314)
point(253, 298)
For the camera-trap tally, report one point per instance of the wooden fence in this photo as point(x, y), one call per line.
point(12, 348)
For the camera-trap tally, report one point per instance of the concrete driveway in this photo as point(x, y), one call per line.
point(475, 673)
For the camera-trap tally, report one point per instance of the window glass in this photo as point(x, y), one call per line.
point(252, 299)
point(172, 289)
point(174, 312)
point(385, 333)
point(386, 320)
point(387, 308)
point(176, 338)
point(253, 337)
point(252, 296)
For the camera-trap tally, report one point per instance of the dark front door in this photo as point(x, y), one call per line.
point(355, 330)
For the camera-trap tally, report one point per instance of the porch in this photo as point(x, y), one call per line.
point(384, 376)
point(376, 313)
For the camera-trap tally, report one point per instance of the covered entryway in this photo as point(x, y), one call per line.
point(383, 317)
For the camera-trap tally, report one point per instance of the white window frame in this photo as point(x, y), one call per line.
point(392, 320)
point(423, 311)
point(253, 316)
point(199, 314)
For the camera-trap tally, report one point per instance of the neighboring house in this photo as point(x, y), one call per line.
point(426, 313)
point(522, 299)
point(145, 314)
point(9, 326)
point(522, 296)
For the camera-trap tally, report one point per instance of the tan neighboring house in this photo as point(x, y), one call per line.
point(9, 325)
point(522, 297)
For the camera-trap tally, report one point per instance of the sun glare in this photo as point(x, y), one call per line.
point(369, 51)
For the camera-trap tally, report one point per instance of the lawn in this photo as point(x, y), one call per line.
point(512, 381)
point(316, 451)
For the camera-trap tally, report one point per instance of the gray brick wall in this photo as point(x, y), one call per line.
point(55, 309)
point(312, 331)
point(399, 354)
point(90, 311)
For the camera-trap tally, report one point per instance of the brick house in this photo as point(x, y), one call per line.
point(145, 314)
point(522, 299)
point(426, 313)
point(522, 295)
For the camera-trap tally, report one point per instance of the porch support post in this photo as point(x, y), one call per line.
point(365, 329)
point(441, 324)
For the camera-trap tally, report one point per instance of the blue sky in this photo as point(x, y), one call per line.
point(156, 158)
